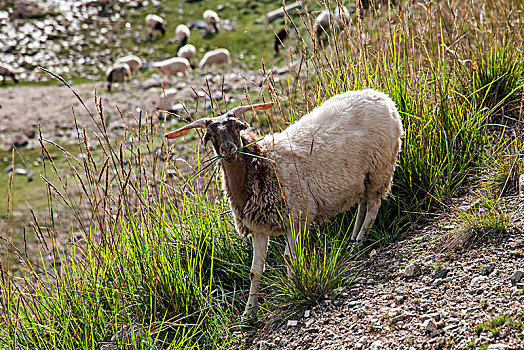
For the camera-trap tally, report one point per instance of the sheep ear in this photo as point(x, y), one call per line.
point(238, 111)
point(200, 123)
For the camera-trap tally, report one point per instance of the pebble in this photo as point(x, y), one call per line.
point(412, 270)
point(487, 269)
point(429, 325)
point(476, 281)
point(377, 344)
point(517, 276)
point(292, 323)
point(497, 347)
point(442, 273)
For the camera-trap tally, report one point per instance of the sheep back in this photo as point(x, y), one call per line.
point(134, 62)
point(172, 66)
point(218, 56)
point(187, 51)
point(118, 73)
point(331, 157)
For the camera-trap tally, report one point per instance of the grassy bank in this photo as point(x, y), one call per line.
point(157, 261)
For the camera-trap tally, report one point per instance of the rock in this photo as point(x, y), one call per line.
point(476, 281)
point(437, 282)
point(442, 273)
point(292, 323)
point(21, 171)
point(498, 346)
point(399, 299)
point(109, 347)
point(412, 270)
point(377, 344)
point(521, 185)
point(434, 316)
point(19, 140)
point(264, 345)
point(517, 276)
point(307, 313)
point(429, 325)
point(271, 16)
point(27, 9)
point(487, 269)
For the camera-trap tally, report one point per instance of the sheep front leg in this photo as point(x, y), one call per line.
point(260, 243)
point(371, 214)
point(361, 214)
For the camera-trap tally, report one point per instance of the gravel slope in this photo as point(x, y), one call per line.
point(410, 296)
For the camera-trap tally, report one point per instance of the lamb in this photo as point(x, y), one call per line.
point(172, 66)
point(218, 56)
point(211, 19)
point(118, 73)
point(7, 71)
point(134, 62)
point(342, 153)
point(154, 22)
point(182, 34)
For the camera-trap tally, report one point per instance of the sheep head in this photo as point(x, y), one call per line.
point(223, 130)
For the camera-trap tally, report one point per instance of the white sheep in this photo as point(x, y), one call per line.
point(342, 16)
point(218, 56)
point(182, 33)
point(187, 51)
point(322, 23)
point(211, 19)
point(154, 22)
point(134, 62)
point(323, 20)
point(342, 153)
point(172, 66)
point(7, 71)
point(117, 73)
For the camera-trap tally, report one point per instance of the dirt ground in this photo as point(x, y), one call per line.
point(22, 109)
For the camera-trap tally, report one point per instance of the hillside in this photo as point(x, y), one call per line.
point(115, 238)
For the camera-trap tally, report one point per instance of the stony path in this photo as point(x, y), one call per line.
point(409, 296)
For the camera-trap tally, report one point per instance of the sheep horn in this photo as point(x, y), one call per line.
point(200, 123)
point(238, 111)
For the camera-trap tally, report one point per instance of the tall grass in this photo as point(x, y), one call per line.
point(154, 260)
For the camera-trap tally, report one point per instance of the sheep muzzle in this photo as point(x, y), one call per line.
point(229, 152)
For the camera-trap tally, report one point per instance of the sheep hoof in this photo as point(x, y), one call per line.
point(249, 315)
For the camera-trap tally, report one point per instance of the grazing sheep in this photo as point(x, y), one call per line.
point(321, 23)
point(218, 56)
point(211, 19)
point(342, 153)
point(172, 66)
point(7, 71)
point(154, 22)
point(280, 36)
point(134, 62)
point(182, 33)
point(118, 73)
point(187, 51)
point(342, 16)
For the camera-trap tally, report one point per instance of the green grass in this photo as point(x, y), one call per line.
point(158, 254)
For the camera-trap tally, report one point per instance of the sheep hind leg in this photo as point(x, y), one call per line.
point(260, 244)
point(371, 214)
point(361, 214)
